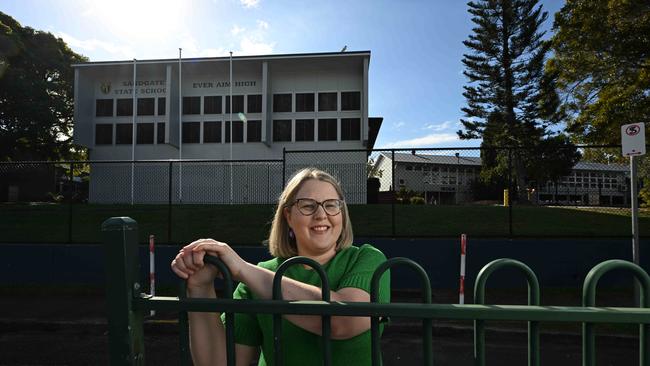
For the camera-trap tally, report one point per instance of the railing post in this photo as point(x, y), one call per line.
point(479, 299)
point(120, 238)
point(169, 205)
point(427, 347)
point(277, 318)
point(589, 299)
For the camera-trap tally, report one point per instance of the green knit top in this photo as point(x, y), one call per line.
point(351, 267)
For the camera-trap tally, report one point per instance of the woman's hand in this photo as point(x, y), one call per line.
point(189, 265)
point(229, 257)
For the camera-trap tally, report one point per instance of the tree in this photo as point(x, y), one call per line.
point(36, 94)
point(510, 101)
point(602, 59)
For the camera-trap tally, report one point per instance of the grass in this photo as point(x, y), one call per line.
point(249, 224)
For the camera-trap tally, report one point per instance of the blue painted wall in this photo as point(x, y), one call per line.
point(557, 263)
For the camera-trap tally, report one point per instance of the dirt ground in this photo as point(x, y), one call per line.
point(72, 330)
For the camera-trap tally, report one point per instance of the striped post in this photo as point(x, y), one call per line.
point(152, 270)
point(463, 251)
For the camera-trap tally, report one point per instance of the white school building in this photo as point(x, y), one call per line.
point(180, 109)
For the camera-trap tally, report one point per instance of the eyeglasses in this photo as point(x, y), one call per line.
point(308, 206)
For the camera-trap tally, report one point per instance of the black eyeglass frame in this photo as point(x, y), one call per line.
point(341, 204)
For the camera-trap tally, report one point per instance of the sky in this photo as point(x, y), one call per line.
point(415, 75)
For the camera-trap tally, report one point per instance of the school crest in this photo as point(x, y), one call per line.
point(105, 87)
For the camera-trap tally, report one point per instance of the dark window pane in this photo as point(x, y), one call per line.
point(237, 103)
point(305, 102)
point(254, 131)
point(304, 130)
point(161, 132)
point(327, 101)
point(237, 132)
point(212, 104)
point(104, 108)
point(124, 133)
point(212, 131)
point(350, 101)
point(327, 129)
point(191, 132)
point(282, 102)
point(350, 129)
point(125, 107)
point(145, 133)
point(255, 103)
point(103, 134)
point(162, 106)
point(282, 130)
point(145, 106)
point(191, 105)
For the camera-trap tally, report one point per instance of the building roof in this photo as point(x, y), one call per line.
point(476, 161)
point(226, 58)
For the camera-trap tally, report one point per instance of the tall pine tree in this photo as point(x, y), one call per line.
point(510, 101)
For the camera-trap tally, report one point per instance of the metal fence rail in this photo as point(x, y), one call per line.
point(127, 306)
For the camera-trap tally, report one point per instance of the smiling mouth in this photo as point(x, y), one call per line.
point(320, 229)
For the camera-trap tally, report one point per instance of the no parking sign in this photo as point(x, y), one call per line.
point(633, 139)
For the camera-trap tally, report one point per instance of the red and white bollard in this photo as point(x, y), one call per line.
point(463, 251)
point(152, 270)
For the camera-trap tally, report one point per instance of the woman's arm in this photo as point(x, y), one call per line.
point(207, 332)
point(260, 281)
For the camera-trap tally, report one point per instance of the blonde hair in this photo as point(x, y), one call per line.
point(280, 245)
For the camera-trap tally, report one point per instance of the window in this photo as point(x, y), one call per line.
point(350, 101)
point(162, 106)
point(212, 104)
point(161, 132)
point(327, 129)
point(146, 106)
point(254, 131)
point(124, 133)
point(255, 103)
point(191, 132)
point(212, 131)
point(125, 107)
point(282, 103)
point(327, 102)
point(350, 129)
point(191, 105)
point(145, 133)
point(237, 130)
point(305, 102)
point(282, 130)
point(103, 134)
point(237, 103)
point(304, 130)
point(104, 108)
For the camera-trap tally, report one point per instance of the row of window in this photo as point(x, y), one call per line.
point(215, 104)
point(304, 129)
point(124, 133)
point(212, 132)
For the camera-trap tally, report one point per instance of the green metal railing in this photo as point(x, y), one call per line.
point(127, 306)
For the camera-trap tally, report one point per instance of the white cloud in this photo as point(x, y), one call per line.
point(214, 52)
point(95, 44)
point(262, 25)
point(250, 3)
point(251, 47)
point(438, 127)
point(398, 125)
point(236, 30)
point(427, 140)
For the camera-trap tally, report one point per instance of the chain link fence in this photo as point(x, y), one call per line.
point(442, 192)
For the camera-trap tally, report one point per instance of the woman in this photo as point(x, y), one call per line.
point(311, 220)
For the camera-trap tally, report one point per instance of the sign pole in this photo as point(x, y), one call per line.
point(633, 144)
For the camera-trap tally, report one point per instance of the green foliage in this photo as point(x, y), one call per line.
point(602, 60)
point(417, 200)
point(36, 94)
point(404, 195)
point(510, 101)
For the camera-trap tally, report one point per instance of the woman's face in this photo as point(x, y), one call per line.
point(316, 234)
